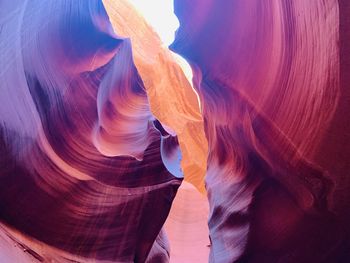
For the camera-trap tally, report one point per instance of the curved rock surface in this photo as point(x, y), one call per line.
point(85, 167)
point(268, 77)
point(99, 125)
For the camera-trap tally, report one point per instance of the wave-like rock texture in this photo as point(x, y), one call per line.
point(267, 73)
point(99, 125)
point(85, 167)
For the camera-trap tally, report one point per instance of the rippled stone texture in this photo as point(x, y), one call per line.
point(85, 167)
point(94, 112)
point(268, 77)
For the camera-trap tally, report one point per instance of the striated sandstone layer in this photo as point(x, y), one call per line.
point(170, 94)
point(99, 126)
point(85, 167)
point(267, 74)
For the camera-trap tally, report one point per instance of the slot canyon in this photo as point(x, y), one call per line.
point(185, 131)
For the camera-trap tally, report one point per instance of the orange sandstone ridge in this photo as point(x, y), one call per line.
point(172, 99)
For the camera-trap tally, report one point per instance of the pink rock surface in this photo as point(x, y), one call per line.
point(89, 174)
point(81, 165)
point(268, 77)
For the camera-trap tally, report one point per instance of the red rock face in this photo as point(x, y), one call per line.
point(268, 77)
point(98, 123)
